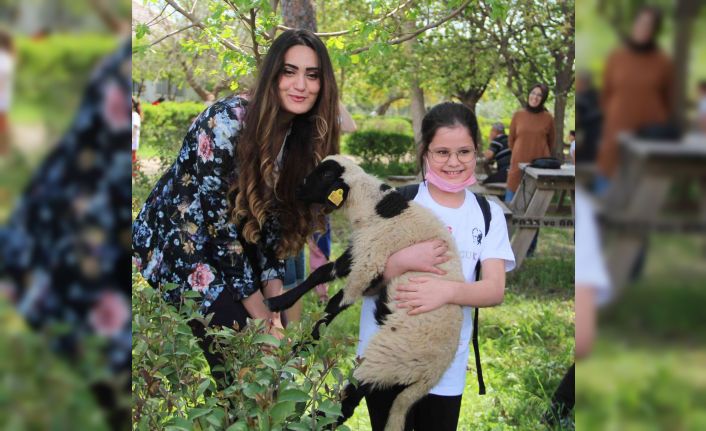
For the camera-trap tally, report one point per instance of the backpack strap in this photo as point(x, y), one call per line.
point(409, 191)
point(485, 209)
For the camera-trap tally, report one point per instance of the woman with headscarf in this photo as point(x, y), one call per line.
point(532, 136)
point(638, 89)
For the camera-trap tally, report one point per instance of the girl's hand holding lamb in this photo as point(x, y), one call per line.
point(420, 257)
point(425, 294)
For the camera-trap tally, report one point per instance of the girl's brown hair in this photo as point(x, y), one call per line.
point(259, 192)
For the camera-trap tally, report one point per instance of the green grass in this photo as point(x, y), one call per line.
point(526, 343)
point(646, 370)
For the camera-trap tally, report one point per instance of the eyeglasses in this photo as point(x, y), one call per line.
point(463, 156)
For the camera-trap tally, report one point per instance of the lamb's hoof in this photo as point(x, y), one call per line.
point(332, 426)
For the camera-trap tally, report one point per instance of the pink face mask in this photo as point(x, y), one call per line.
point(446, 186)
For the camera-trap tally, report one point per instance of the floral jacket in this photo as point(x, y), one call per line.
point(183, 234)
point(66, 244)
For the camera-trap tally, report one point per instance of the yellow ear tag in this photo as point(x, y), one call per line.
point(336, 197)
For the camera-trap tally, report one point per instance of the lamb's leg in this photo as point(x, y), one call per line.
point(323, 274)
point(333, 308)
point(352, 396)
point(402, 404)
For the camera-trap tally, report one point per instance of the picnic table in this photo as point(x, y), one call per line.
point(636, 203)
point(531, 207)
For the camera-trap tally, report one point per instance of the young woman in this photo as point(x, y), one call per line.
point(222, 218)
point(447, 160)
point(638, 90)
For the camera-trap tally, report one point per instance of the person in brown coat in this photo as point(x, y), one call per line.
point(638, 90)
point(532, 136)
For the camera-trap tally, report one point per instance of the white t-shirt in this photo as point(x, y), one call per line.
point(136, 122)
point(702, 107)
point(7, 69)
point(590, 267)
point(468, 230)
point(572, 149)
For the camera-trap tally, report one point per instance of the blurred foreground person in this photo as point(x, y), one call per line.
point(65, 251)
point(638, 91)
point(7, 68)
point(592, 290)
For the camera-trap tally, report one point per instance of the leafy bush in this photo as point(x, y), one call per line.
point(269, 388)
point(383, 152)
point(386, 124)
point(165, 125)
point(52, 72)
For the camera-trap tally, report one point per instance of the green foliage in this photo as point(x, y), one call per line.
point(381, 148)
point(40, 390)
point(390, 124)
point(165, 125)
point(52, 73)
point(268, 387)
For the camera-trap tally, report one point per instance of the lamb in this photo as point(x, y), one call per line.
point(410, 353)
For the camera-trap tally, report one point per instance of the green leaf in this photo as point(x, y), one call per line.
point(203, 386)
point(179, 424)
point(266, 339)
point(238, 426)
point(198, 412)
point(270, 361)
point(299, 426)
point(293, 395)
point(141, 30)
point(252, 389)
point(281, 410)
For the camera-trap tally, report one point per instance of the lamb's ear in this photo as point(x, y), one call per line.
point(337, 194)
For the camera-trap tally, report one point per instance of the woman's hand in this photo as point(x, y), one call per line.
point(420, 257)
point(274, 327)
point(423, 294)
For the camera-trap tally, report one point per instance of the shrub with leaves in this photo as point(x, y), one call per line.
point(268, 387)
point(165, 125)
point(383, 150)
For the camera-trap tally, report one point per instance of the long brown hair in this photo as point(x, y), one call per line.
point(259, 192)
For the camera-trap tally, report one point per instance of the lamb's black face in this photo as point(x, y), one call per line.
point(324, 185)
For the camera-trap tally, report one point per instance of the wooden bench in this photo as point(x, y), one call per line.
point(532, 201)
point(635, 204)
point(496, 189)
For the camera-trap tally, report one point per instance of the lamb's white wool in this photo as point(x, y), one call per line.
point(413, 351)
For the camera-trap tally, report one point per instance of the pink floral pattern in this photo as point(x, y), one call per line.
point(205, 150)
point(201, 277)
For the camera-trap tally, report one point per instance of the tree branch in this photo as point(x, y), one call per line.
point(109, 18)
point(228, 44)
point(419, 31)
point(171, 34)
point(344, 32)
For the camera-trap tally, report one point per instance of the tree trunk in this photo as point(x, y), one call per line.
point(140, 88)
point(299, 14)
point(416, 94)
point(204, 94)
point(382, 109)
point(471, 96)
point(559, 113)
point(686, 11)
point(417, 108)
